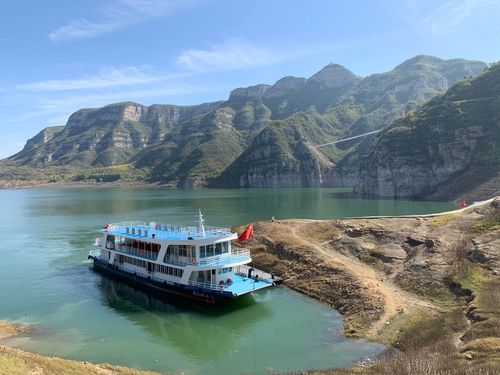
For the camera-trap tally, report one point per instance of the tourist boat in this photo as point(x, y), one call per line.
point(194, 262)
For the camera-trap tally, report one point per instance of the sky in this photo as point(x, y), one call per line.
point(57, 56)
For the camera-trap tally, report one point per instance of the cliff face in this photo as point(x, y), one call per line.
point(450, 144)
point(43, 137)
point(281, 155)
point(302, 166)
point(105, 136)
point(385, 97)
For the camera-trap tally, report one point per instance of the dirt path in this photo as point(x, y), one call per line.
point(395, 299)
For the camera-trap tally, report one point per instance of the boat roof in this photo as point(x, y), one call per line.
point(165, 231)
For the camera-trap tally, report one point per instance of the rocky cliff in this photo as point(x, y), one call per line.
point(42, 138)
point(450, 144)
point(105, 136)
point(282, 155)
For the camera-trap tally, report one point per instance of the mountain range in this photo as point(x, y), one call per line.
point(263, 135)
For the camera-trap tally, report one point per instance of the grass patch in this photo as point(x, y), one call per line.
point(487, 225)
point(17, 362)
point(440, 220)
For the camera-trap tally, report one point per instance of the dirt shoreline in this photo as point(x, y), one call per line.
point(390, 277)
point(345, 262)
point(15, 361)
point(20, 184)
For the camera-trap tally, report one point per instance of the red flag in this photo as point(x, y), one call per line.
point(247, 233)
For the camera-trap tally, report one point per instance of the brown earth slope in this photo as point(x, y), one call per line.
point(384, 274)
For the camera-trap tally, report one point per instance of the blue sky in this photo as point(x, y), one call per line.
point(59, 56)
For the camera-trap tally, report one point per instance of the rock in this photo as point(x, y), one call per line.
point(393, 251)
point(332, 76)
point(284, 86)
point(249, 92)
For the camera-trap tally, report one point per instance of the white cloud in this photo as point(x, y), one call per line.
point(82, 29)
point(114, 16)
point(233, 54)
point(106, 77)
point(56, 108)
point(453, 13)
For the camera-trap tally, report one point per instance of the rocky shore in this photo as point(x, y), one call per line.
point(420, 284)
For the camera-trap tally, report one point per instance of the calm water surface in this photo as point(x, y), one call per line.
point(45, 280)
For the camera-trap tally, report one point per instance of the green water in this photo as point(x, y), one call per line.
point(45, 280)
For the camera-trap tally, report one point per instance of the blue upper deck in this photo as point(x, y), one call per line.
point(151, 230)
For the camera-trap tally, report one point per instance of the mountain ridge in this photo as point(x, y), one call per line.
point(447, 147)
point(222, 143)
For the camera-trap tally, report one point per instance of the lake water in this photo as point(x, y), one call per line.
point(45, 280)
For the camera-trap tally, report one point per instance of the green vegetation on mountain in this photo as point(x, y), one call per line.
point(105, 136)
point(263, 135)
point(450, 144)
point(283, 154)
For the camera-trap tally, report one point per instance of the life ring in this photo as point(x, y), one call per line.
point(141, 252)
point(193, 260)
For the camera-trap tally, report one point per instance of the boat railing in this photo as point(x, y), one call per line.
point(234, 256)
point(115, 227)
point(228, 258)
point(206, 285)
point(137, 252)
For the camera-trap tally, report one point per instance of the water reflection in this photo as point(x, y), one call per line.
point(190, 327)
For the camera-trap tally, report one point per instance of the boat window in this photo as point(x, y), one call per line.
point(175, 251)
point(169, 270)
point(210, 250)
point(110, 242)
point(202, 252)
point(225, 247)
point(135, 262)
point(218, 249)
point(219, 271)
point(230, 269)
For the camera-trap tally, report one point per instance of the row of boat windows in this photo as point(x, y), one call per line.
point(188, 251)
point(214, 249)
point(151, 266)
point(169, 270)
point(180, 251)
point(121, 242)
point(133, 261)
point(224, 270)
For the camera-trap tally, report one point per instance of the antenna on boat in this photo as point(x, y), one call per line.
point(201, 227)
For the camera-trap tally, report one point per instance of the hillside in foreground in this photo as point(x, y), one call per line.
point(428, 286)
